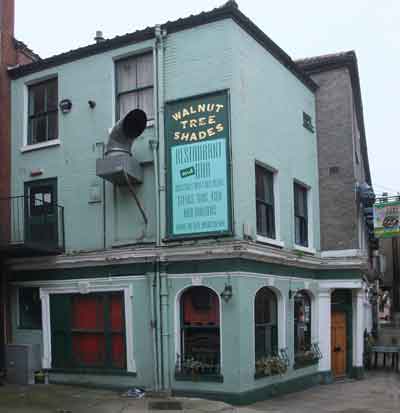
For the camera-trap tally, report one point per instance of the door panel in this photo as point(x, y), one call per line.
point(338, 344)
point(41, 219)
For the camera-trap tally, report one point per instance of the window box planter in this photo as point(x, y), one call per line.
point(270, 366)
point(304, 361)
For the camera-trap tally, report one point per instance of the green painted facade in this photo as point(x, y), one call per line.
point(266, 107)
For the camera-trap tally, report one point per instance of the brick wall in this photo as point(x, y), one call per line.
point(339, 221)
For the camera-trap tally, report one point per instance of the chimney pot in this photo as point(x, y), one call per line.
point(99, 36)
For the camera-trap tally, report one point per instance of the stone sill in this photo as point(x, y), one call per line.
point(94, 371)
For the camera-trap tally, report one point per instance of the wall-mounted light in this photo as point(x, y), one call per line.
point(227, 293)
point(92, 104)
point(65, 106)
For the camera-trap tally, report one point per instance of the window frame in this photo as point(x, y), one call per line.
point(117, 61)
point(299, 239)
point(84, 287)
point(181, 328)
point(270, 208)
point(46, 113)
point(305, 296)
point(274, 344)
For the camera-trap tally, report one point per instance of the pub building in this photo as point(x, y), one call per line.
point(168, 235)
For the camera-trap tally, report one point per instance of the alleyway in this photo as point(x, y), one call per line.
point(379, 393)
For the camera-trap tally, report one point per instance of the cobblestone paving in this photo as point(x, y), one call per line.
point(378, 393)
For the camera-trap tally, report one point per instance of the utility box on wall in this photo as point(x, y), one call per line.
point(22, 360)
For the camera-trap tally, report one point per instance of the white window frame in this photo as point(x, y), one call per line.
point(26, 147)
point(310, 218)
point(86, 287)
point(277, 210)
point(177, 317)
point(281, 317)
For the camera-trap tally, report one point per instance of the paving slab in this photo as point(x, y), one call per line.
point(378, 393)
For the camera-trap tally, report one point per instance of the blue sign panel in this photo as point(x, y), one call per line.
point(197, 135)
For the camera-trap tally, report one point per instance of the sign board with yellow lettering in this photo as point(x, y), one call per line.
point(197, 150)
point(387, 219)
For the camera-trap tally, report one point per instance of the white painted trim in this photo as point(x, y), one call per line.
point(343, 284)
point(308, 250)
point(281, 316)
point(73, 282)
point(89, 287)
point(277, 211)
point(342, 253)
point(271, 241)
point(358, 327)
point(324, 328)
point(41, 145)
point(177, 321)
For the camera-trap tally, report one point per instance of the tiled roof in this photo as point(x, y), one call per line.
point(228, 10)
point(325, 63)
point(25, 49)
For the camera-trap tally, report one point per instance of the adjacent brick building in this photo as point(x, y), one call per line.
point(12, 53)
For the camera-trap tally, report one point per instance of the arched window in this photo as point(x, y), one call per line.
point(266, 323)
point(200, 332)
point(302, 323)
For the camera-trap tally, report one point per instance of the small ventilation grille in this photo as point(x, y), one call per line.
point(334, 170)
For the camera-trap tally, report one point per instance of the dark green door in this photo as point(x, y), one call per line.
point(41, 213)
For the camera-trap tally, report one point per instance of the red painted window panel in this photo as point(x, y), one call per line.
point(89, 349)
point(87, 312)
point(118, 350)
point(200, 307)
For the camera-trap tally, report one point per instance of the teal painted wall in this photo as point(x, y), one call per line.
point(267, 102)
point(237, 330)
point(142, 339)
point(267, 126)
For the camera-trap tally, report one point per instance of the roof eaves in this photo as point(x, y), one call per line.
point(26, 50)
point(229, 10)
point(349, 60)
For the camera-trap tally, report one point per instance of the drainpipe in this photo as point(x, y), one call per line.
point(161, 276)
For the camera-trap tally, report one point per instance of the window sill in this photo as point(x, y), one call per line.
point(82, 370)
point(214, 378)
point(307, 250)
point(270, 241)
point(41, 145)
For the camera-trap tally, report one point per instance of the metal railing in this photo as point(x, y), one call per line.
point(32, 223)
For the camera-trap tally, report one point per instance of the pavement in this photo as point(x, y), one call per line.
point(378, 393)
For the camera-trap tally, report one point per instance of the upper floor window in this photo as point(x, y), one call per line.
point(135, 85)
point(265, 204)
point(301, 214)
point(43, 112)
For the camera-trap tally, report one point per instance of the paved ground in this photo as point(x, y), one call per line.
point(379, 393)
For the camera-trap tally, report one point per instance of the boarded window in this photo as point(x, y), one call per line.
point(88, 330)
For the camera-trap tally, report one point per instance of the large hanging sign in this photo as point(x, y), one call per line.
point(387, 219)
point(197, 147)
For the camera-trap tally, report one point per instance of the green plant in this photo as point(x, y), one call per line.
point(270, 366)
